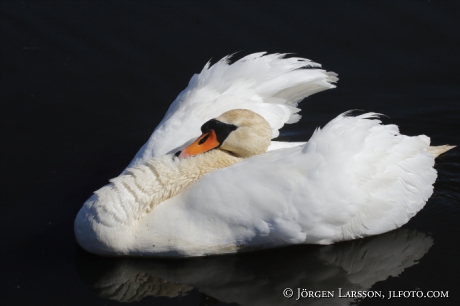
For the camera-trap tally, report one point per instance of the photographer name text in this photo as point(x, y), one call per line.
point(301, 293)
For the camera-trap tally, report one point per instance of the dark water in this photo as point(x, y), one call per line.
point(83, 85)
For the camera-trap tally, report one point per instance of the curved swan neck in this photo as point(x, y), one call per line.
point(212, 160)
point(174, 175)
point(101, 225)
point(132, 195)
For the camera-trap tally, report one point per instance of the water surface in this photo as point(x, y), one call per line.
point(83, 85)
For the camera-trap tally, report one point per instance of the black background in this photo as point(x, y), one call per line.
point(83, 85)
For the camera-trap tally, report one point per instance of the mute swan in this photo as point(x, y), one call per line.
point(221, 193)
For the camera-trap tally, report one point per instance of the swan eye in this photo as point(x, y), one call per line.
point(217, 125)
point(221, 129)
point(214, 134)
point(204, 143)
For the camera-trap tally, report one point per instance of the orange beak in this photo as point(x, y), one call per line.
point(204, 143)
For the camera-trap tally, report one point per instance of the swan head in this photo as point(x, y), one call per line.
point(239, 132)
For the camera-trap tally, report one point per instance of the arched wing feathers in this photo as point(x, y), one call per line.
point(270, 85)
point(353, 178)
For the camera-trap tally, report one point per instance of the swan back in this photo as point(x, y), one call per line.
point(354, 178)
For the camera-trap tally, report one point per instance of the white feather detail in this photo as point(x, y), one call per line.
point(270, 85)
point(354, 178)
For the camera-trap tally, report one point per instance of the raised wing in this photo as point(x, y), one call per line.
point(270, 85)
point(354, 178)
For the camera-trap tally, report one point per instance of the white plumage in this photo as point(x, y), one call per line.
point(355, 177)
point(269, 85)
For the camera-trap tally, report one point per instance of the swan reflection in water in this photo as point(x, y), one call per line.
point(259, 278)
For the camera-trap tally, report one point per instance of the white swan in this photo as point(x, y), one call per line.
point(353, 178)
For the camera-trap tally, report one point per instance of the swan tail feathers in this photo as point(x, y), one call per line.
point(438, 150)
